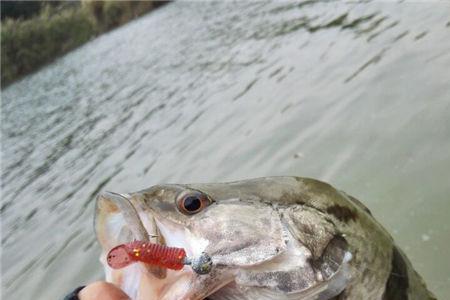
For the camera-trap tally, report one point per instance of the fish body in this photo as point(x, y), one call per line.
point(268, 238)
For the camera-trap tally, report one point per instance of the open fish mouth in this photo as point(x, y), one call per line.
point(121, 223)
point(118, 221)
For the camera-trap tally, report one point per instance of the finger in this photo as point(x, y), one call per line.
point(102, 291)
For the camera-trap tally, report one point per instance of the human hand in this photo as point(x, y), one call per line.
point(98, 290)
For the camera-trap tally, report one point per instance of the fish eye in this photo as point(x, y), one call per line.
point(192, 203)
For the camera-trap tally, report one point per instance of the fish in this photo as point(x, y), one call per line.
point(267, 238)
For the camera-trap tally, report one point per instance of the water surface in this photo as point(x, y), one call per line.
point(354, 94)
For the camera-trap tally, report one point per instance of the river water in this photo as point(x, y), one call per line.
point(354, 94)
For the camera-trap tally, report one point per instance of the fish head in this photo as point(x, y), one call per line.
point(240, 226)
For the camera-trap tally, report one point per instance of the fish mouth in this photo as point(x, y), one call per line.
point(127, 225)
point(120, 220)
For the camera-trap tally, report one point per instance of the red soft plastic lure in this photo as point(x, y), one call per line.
point(146, 252)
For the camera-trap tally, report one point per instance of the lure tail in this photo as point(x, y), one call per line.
point(146, 252)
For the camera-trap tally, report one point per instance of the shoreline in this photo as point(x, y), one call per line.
point(29, 44)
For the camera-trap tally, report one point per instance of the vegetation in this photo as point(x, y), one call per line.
point(35, 38)
point(19, 9)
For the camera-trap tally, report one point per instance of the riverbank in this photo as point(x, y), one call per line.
point(27, 45)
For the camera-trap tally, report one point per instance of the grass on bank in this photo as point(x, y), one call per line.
point(28, 44)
